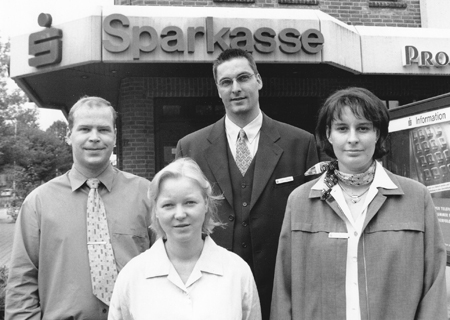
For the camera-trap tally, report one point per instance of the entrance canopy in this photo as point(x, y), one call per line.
point(58, 64)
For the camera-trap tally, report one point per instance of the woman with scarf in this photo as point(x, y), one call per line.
point(358, 243)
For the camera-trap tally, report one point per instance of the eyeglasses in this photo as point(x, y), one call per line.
point(242, 78)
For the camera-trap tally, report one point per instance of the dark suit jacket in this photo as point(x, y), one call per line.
point(283, 151)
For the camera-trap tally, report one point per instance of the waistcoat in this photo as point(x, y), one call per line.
point(242, 192)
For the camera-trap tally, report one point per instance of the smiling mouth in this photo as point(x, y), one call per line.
point(238, 99)
point(181, 226)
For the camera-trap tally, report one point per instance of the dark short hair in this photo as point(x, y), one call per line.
point(229, 54)
point(90, 102)
point(363, 103)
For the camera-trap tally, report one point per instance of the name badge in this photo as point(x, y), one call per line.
point(338, 235)
point(284, 180)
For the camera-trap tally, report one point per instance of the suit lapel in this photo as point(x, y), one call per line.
point(267, 157)
point(216, 157)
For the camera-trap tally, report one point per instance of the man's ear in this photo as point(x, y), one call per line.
point(259, 80)
point(68, 141)
point(218, 91)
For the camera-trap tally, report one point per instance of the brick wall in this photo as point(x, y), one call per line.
point(136, 139)
point(392, 13)
point(401, 13)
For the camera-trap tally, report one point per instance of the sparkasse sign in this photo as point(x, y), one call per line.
point(144, 39)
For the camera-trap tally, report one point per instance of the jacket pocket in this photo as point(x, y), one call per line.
point(397, 226)
point(135, 240)
point(314, 228)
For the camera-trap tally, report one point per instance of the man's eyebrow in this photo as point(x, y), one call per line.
point(239, 74)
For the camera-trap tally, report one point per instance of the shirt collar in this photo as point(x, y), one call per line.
point(157, 253)
point(210, 260)
point(251, 129)
point(77, 179)
point(380, 180)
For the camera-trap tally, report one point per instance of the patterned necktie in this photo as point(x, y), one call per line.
point(101, 256)
point(243, 156)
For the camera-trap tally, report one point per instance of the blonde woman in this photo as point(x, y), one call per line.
point(185, 275)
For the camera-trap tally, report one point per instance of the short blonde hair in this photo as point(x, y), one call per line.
point(187, 168)
point(90, 102)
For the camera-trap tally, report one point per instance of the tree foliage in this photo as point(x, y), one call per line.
point(59, 129)
point(11, 97)
point(28, 155)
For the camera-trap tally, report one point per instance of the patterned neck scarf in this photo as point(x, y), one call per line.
point(333, 175)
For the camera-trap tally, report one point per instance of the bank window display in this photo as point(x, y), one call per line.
point(209, 110)
point(420, 149)
point(176, 117)
point(187, 108)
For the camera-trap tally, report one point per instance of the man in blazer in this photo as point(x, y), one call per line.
point(275, 156)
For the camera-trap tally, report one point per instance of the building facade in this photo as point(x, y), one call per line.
point(153, 61)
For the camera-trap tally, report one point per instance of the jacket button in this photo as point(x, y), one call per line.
point(244, 223)
point(244, 245)
point(245, 204)
point(231, 217)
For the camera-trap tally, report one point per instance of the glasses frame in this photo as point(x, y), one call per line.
point(250, 75)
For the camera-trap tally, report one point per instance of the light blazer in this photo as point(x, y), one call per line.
point(401, 264)
point(283, 151)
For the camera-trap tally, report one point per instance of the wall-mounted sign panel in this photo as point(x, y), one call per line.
point(420, 149)
point(389, 50)
point(80, 44)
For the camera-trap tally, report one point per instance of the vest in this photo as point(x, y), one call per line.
point(242, 192)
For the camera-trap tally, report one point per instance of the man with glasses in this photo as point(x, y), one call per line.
point(255, 162)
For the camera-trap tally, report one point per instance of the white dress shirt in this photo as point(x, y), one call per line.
point(252, 130)
point(354, 230)
point(221, 287)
